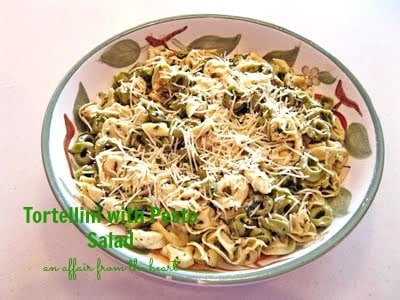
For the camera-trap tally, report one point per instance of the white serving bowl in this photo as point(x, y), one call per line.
point(236, 34)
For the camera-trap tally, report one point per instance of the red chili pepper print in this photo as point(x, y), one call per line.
point(155, 42)
point(343, 99)
point(70, 132)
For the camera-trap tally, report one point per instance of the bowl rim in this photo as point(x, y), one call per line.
point(231, 277)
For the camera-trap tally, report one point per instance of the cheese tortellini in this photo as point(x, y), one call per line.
point(237, 140)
